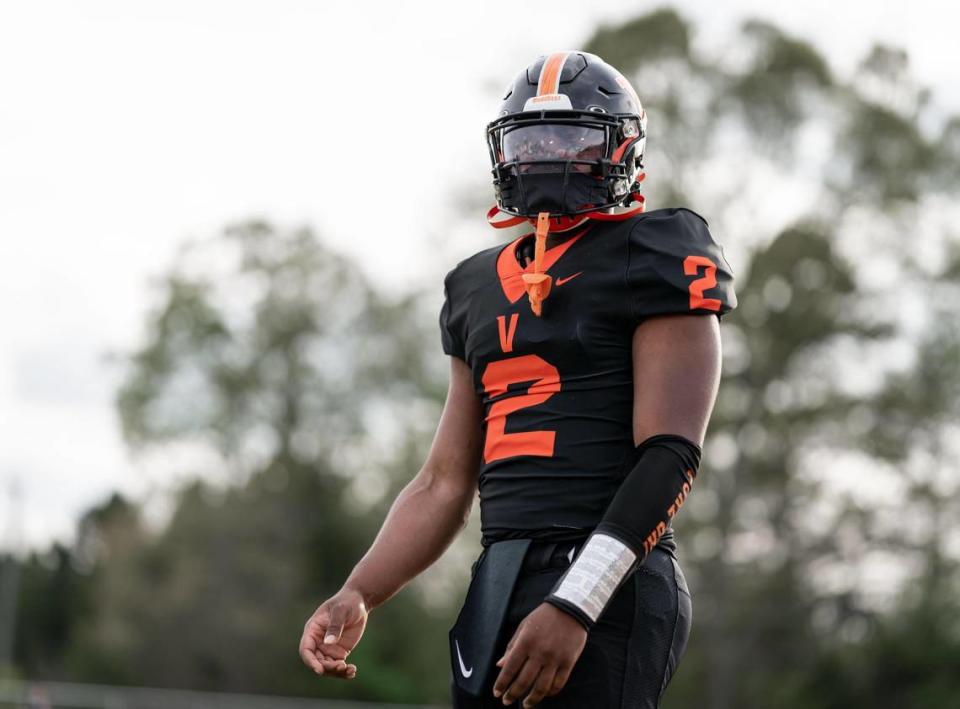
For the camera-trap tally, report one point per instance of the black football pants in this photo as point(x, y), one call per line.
point(632, 651)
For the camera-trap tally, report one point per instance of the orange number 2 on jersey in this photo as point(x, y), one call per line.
point(691, 266)
point(545, 382)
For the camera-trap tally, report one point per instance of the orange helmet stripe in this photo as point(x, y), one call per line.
point(549, 82)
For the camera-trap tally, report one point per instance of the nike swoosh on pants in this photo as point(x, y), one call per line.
point(463, 668)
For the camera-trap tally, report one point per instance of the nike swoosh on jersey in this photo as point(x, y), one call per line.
point(463, 668)
point(561, 281)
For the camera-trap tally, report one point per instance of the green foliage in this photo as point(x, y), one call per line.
point(906, 660)
point(220, 595)
point(786, 58)
point(772, 90)
point(661, 34)
point(278, 368)
point(54, 597)
point(291, 341)
point(891, 157)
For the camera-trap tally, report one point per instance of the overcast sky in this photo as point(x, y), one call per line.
point(127, 127)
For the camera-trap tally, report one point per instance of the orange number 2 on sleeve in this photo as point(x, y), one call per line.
point(500, 374)
point(691, 266)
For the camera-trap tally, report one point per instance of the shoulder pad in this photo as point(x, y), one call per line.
point(675, 266)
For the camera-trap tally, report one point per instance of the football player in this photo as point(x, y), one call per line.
point(584, 363)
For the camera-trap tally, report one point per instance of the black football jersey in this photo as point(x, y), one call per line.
point(557, 390)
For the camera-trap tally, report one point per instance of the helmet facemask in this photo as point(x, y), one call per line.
point(564, 162)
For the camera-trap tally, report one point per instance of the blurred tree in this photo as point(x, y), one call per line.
point(304, 397)
point(52, 599)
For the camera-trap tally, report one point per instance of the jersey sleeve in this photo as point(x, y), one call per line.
point(451, 335)
point(674, 266)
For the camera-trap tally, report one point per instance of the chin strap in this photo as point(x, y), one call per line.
point(502, 223)
point(557, 224)
point(538, 283)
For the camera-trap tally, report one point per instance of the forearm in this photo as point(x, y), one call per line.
point(638, 515)
point(422, 522)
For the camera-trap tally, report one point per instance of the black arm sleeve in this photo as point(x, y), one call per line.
point(652, 492)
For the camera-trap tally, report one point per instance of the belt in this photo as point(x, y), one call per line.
point(551, 555)
point(560, 554)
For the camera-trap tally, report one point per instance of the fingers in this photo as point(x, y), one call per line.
point(311, 661)
point(308, 651)
point(324, 659)
point(317, 661)
point(339, 669)
point(560, 680)
point(524, 680)
point(509, 665)
point(541, 688)
point(338, 616)
point(327, 666)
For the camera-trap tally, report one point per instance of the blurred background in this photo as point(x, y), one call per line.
point(223, 232)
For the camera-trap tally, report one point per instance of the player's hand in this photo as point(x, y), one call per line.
point(332, 632)
point(540, 656)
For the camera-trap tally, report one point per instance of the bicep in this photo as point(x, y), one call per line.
point(454, 458)
point(676, 372)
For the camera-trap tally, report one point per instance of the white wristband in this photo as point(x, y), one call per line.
point(596, 574)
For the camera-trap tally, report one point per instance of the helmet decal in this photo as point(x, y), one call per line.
point(548, 102)
point(548, 96)
point(549, 82)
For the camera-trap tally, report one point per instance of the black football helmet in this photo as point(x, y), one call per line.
point(569, 138)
